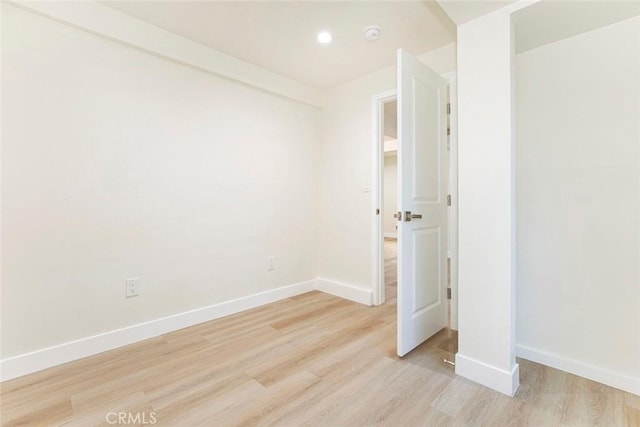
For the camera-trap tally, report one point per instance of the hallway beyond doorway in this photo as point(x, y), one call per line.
point(391, 268)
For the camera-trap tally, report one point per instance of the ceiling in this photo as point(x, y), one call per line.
point(461, 11)
point(548, 21)
point(281, 36)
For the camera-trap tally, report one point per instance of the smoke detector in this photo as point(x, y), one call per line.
point(372, 32)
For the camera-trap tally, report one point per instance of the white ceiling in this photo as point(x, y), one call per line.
point(552, 20)
point(281, 36)
point(547, 21)
point(461, 11)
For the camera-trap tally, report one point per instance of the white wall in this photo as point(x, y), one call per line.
point(345, 213)
point(390, 194)
point(391, 119)
point(486, 221)
point(117, 163)
point(578, 204)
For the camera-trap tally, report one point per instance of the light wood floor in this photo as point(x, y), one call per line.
point(311, 360)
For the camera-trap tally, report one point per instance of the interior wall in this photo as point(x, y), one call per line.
point(390, 194)
point(578, 204)
point(486, 201)
point(117, 163)
point(391, 119)
point(345, 203)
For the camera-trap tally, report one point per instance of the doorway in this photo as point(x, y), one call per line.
point(383, 104)
point(390, 197)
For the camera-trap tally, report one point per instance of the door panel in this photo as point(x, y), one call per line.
point(422, 133)
point(427, 271)
point(426, 157)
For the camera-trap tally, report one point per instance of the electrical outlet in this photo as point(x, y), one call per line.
point(271, 263)
point(132, 287)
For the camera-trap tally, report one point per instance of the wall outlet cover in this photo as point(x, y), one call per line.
point(132, 287)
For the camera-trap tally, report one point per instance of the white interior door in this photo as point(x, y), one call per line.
point(422, 200)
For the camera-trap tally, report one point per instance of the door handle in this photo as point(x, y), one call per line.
point(408, 216)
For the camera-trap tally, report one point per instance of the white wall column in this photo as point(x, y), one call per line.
point(486, 203)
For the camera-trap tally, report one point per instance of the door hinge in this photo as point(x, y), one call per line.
point(448, 293)
point(448, 199)
point(448, 108)
point(448, 131)
point(378, 211)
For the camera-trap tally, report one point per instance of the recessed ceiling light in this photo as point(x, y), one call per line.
point(324, 37)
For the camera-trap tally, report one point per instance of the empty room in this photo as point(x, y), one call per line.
point(321, 213)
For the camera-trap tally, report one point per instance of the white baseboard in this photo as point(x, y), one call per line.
point(391, 235)
point(353, 293)
point(506, 382)
point(57, 355)
point(576, 367)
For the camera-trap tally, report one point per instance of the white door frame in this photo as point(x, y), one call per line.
point(377, 187)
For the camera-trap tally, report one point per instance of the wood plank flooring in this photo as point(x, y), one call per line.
point(310, 360)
